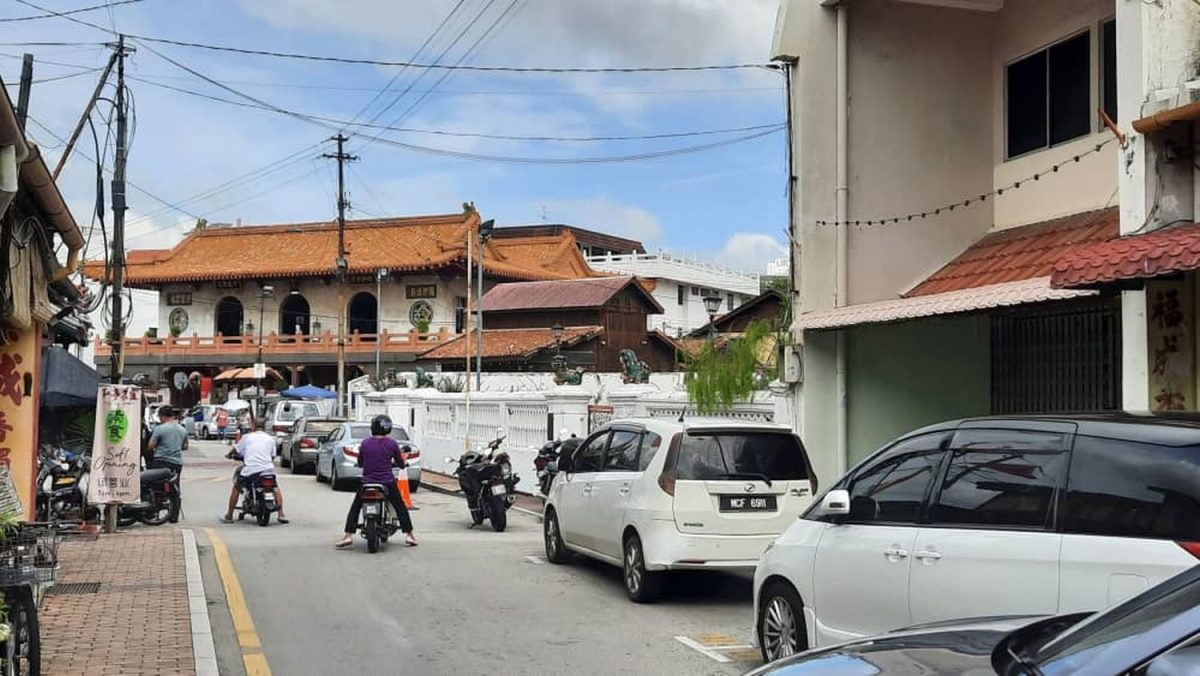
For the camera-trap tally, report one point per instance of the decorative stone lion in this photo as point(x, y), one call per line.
point(633, 369)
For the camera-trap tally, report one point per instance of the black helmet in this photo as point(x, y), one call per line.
point(381, 426)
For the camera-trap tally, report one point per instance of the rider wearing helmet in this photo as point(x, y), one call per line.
point(377, 456)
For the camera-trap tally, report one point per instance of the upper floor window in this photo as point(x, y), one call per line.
point(1049, 96)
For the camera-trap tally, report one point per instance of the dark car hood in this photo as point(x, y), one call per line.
point(961, 648)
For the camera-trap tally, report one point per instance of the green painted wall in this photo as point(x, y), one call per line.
point(904, 376)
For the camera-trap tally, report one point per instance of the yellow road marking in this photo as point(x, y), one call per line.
point(255, 661)
point(717, 640)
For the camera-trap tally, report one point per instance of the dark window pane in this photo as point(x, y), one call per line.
point(1108, 67)
point(682, 294)
point(1135, 490)
point(999, 489)
point(591, 454)
point(651, 442)
point(399, 434)
point(777, 456)
point(622, 451)
point(1070, 89)
point(1027, 104)
point(892, 488)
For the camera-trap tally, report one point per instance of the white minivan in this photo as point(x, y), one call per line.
point(653, 495)
point(982, 518)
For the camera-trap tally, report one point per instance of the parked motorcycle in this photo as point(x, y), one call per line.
point(546, 462)
point(487, 478)
point(61, 484)
point(258, 496)
point(379, 520)
point(159, 503)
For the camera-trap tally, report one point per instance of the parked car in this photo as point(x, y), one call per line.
point(992, 516)
point(200, 421)
point(657, 495)
point(301, 447)
point(337, 459)
point(1156, 633)
point(281, 416)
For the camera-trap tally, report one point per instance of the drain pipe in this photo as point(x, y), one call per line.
point(841, 194)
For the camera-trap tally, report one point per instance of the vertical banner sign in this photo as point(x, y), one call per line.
point(115, 477)
point(1172, 346)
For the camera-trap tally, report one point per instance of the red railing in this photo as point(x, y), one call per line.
point(274, 344)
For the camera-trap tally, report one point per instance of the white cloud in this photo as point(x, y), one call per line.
point(603, 214)
point(750, 251)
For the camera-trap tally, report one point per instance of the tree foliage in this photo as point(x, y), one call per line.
point(723, 375)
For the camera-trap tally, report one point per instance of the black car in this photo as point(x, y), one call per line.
point(1156, 633)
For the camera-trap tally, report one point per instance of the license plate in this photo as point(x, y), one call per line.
point(64, 481)
point(373, 509)
point(747, 503)
point(499, 489)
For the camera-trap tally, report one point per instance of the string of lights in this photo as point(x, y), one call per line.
point(964, 203)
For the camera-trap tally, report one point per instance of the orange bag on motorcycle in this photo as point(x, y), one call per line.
point(402, 484)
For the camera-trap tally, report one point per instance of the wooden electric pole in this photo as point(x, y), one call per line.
point(342, 265)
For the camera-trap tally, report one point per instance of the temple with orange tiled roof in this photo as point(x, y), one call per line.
point(228, 294)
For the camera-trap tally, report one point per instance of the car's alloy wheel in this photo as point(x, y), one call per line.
point(641, 585)
point(553, 541)
point(780, 624)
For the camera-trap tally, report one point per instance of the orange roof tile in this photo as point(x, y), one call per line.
point(515, 343)
point(1020, 253)
point(1160, 252)
point(310, 250)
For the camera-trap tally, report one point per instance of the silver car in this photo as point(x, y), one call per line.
point(337, 459)
point(300, 449)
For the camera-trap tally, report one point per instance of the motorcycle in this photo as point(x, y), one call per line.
point(546, 462)
point(159, 503)
point(62, 484)
point(258, 496)
point(379, 521)
point(487, 479)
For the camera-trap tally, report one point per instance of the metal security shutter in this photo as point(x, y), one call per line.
point(1058, 358)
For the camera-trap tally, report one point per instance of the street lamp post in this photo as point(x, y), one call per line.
point(267, 291)
point(485, 233)
point(380, 275)
point(712, 305)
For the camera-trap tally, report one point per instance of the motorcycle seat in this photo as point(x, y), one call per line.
point(157, 474)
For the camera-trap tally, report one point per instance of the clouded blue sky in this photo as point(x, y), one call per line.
point(726, 203)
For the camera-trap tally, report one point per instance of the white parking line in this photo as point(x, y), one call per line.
point(703, 650)
point(536, 560)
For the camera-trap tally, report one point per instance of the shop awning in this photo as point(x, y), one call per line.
point(67, 381)
point(1162, 252)
point(244, 374)
point(1007, 294)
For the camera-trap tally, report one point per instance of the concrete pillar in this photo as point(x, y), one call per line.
point(1156, 55)
point(568, 408)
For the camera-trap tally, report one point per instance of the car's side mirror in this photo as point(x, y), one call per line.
point(836, 503)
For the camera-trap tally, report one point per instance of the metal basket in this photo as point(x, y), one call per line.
point(28, 555)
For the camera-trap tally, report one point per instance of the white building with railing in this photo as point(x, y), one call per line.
point(680, 286)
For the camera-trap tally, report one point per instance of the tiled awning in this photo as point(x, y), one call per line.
point(1153, 254)
point(1007, 294)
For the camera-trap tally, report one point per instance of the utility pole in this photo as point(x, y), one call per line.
point(342, 265)
point(23, 92)
point(118, 243)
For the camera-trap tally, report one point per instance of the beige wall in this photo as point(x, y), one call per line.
point(1022, 27)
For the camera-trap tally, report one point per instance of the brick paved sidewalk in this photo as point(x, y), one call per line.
point(135, 623)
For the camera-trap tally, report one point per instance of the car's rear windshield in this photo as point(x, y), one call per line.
point(295, 412)
point(716, 456)
point(320, 426)
point(364, 431)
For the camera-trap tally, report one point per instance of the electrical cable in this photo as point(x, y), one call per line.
point(51, 15)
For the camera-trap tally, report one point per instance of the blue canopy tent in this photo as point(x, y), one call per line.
point(66, 381)
point(308, 392)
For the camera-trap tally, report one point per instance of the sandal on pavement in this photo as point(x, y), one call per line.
point(343, 543)
point(410, 540)
point(284, 519)
point(225, 519)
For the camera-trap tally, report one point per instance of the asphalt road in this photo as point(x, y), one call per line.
point(466, 601)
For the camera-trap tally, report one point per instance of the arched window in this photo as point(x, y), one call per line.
point(364, 314)
point(294, 315)
point(229, 316)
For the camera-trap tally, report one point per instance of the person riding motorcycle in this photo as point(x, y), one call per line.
point(376, 457)
point(257, 453)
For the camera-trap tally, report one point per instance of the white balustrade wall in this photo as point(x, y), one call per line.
point(531, 410)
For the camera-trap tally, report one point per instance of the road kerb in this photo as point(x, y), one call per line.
point(252, 656)
point(204, 652)
point(436, 488)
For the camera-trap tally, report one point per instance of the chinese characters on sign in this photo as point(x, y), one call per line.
point(1171, 343)
point(115, 474)
point(179, 298)
point(420, 291)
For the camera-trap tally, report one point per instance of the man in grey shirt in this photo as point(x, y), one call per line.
point(168, 441)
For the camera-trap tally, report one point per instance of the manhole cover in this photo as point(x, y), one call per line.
point(75, 588)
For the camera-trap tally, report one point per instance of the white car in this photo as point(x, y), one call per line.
point(986, 517)
point(654, 495)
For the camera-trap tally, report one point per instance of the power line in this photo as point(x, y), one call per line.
point(67, 76)
point(49, 14)
point(443, 132)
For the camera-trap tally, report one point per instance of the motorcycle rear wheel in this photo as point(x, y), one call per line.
point(371, 530)
point(499, 513)
point(263, 517)
point(156, 514)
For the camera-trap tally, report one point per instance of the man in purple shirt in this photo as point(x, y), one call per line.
point(376, 456)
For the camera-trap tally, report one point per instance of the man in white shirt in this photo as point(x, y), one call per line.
point(256, 450)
